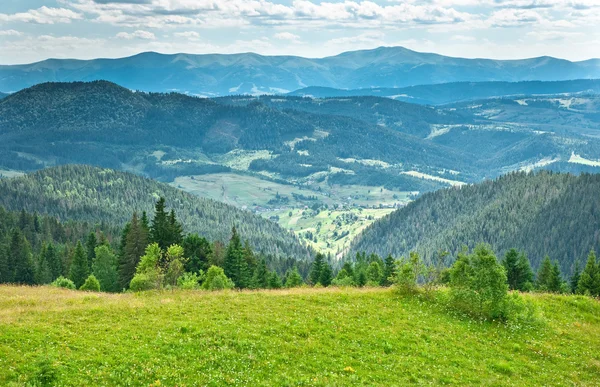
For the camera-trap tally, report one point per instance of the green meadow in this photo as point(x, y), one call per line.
point(299, 337)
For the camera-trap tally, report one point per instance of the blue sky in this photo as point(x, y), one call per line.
point(32, 30)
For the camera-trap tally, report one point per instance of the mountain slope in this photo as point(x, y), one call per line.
point(215, 74)
point(84, 193)
point(446, 93)
point(542, 213)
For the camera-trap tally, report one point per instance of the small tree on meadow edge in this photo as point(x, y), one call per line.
point(79, 266)
point(589, 282)
point(293, 279)
point(104, 269)
point(326, 275)
point(316, 268)
point(91, 284)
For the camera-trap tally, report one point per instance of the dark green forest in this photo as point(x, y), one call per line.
point(541, 213)
point(95, 195)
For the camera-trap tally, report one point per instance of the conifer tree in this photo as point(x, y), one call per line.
point(589, 282)
point(293, 279)
point(316, 268)
point(43, 274)
point(510, 263)
point(197, 250)
point(5, 275)
point(159, 232)
point(388, 270)
point(104, 269)
point(326, 275)
point(54, 261)
point(175, 231)
point(544, 274)
point(260, 280)
point(20, 255)
point(136, 241)
point(234, 264)
point(79, 266)
point(274, 281)
point(574, 280)
point(555, 282)
point(90, 248)
point(525, 282)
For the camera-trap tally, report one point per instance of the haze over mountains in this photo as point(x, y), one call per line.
point(249, 73)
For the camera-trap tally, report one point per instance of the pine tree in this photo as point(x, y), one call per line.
point(175, 230)
point(388, 270)
point(234, 264)
point(260, 280)
point(43, 274)
point(326, 275)
point(54, 261)
point(525, 282)
point(316, 268)
point(574, 280)
point(250, 259)
point(293, 279)
point(20, 255)
point(90, 248)
point(544, 274)
point(5, 275)
point(197, 251)
point(159, 232)
point(104, 269)
point(589, 283)
point(274, 281)
point(79, 266)
point(136, 241)
point(510, 263)
point(555, 281)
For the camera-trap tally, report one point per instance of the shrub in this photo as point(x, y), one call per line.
point(344, 281)
point(478, 285)
point(144, 281)
point(216, 279)
point(62, 282)
point(407, 273)
point(189, 281)
point(91, 284)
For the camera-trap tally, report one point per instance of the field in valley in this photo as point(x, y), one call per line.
point(305, 337)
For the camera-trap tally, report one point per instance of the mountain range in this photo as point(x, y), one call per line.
point(249, 73)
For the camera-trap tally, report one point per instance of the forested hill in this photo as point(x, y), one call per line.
point(543, 214)
point(84, 193)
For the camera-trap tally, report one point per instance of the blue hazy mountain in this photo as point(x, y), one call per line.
point(249, 73)
point(445, 93)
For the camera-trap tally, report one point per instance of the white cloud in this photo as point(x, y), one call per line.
point(514, 17)
point(192, 35)
point(287, 36)
point(139, 34)
point(10, 33)
point(43, 15)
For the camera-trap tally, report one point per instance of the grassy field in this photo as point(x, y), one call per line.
point(333, 230)
point(303, 337)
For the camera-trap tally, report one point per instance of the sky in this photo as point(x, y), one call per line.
point(34, 30)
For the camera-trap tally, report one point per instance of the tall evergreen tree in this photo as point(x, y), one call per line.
point(175, 231)
point(20, 255)
point(90, 248)
point(326, 275)
point(555, 282)
point(5, 274)
point(79, 266)
point(260, 280)
point(234, 264)
point(136, 241)
point(589, 282)
point(574, 280)
point(544, 274)
point(43, 274)
point(104, 269)
point(316, 268)
point(388, 270)
point(526, 276)
point(159, 232)
point(197, 251)
point(54, 261)
point(293, 279)
point(518, 270)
